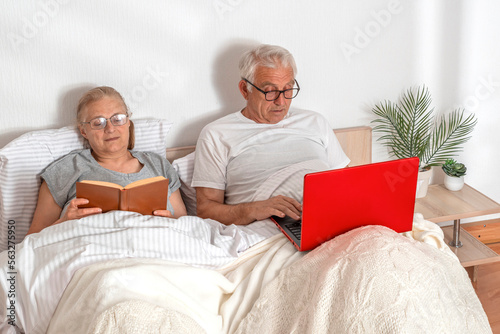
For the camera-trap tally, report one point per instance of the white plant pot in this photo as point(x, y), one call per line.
point(453, 183)
point(423, 182)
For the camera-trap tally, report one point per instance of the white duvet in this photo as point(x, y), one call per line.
point(152, 296)
point(45, 262)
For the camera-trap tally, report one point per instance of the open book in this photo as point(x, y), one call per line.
point(143, 196)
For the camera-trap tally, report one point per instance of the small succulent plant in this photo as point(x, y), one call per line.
point(453, 168)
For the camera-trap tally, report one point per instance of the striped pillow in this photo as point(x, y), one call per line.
point(184, 167)
point(22, 160)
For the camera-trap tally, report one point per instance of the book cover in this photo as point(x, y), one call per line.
point(143, 196)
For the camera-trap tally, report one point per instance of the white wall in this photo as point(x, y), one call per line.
point(178, 59)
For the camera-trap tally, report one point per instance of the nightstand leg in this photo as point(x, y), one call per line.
point(456, 234)
point(472, 271)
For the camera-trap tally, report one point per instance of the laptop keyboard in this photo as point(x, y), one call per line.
point(295, 228)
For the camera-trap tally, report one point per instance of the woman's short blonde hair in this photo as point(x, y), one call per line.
point(97, 93)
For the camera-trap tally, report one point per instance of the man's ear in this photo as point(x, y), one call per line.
point(243, 89)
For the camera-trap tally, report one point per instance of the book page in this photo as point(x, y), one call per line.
point(145, 198)
point(144, 181)
point(103, 183)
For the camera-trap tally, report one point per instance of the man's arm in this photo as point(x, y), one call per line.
point(210, 204)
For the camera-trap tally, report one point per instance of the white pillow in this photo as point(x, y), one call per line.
point(184, 167)
point(22, 160)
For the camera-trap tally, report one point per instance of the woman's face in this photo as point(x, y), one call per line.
point(110, 140)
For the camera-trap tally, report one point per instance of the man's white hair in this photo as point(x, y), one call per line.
point(271, 56)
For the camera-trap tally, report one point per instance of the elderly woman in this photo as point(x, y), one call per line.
point(103, 120)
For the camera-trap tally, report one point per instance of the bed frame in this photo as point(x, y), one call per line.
point(356, 142)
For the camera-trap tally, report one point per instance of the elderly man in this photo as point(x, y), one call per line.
point(239, 153)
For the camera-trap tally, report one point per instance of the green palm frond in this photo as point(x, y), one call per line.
point(448, 137)
point(410, 129)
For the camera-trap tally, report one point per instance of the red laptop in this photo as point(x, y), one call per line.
point(339, 200)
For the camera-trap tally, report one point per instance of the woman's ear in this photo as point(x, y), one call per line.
point(82, 131)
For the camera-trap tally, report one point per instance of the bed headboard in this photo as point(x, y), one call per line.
point(356, 142)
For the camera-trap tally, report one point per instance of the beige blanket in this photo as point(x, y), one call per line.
point(370, 280)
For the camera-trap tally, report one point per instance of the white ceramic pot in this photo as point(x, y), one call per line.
point(453, 183)
point(423, 182)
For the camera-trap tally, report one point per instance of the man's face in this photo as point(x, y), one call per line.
point(267, 79)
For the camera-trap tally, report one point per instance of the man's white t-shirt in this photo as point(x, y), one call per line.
point(237, 155)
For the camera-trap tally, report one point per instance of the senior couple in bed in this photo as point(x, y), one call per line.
point(234, 154)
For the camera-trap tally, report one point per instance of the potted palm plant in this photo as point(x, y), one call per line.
point(454, 174)
point(410, 128)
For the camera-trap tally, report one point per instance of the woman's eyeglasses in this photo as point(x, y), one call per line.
point(99, 123)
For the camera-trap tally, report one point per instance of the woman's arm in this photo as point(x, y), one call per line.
point(47, 211)
point(177, 204)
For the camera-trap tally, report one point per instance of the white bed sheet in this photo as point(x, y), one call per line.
point(146, 295)
point(46, 261)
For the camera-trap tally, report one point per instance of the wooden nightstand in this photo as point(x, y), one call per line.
point(441, 204)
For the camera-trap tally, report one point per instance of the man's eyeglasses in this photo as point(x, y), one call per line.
point(273, 95)
point(99, 123)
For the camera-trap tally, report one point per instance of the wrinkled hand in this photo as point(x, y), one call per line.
point(73, 212)
point(280, 206)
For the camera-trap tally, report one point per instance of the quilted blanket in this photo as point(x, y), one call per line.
point(370, 280)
